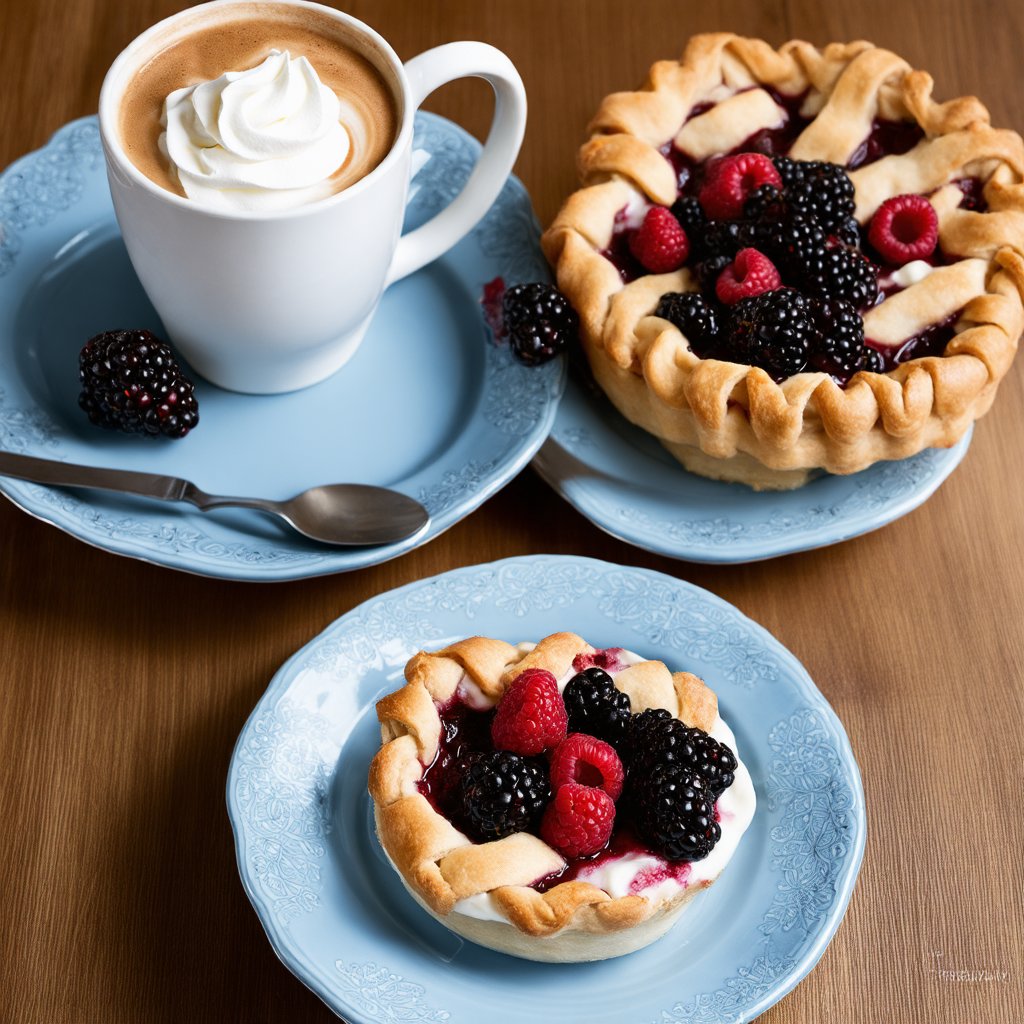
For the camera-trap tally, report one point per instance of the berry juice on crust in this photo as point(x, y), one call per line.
point(553, 800)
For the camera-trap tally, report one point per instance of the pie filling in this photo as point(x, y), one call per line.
point(625, 865)
point(845, 262)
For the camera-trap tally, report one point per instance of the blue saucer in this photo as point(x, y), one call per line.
point(340, 919)
point(623, 481)
point(428, 405)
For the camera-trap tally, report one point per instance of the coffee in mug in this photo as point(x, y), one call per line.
point(257, 107)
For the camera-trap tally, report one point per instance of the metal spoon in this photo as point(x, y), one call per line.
point(352, 515)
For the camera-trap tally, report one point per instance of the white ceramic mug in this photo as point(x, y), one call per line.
point(271, 302)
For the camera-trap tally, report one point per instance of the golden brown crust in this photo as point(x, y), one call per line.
point(726, 409)
point(440, 864)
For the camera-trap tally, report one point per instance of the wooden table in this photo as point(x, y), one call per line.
point(123, 686)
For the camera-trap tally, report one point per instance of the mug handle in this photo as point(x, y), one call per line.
point(427, 72)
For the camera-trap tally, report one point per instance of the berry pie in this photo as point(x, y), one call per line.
point(794, 260)
point(554, 801)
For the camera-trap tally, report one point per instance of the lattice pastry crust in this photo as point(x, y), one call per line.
point(738, 413)
point(440, 866)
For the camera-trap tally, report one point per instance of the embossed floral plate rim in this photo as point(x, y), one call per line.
point(296, 787)
point(619, 478)
point(58, 193)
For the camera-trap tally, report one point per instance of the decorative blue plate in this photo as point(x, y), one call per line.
point(623, 481)
point(428, 405)
point(337, 914)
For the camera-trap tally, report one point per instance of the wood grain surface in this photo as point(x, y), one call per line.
point(123, 686)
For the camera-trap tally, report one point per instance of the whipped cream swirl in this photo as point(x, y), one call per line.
point(259, 140)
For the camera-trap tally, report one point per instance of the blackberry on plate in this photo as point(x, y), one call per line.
point(841, 273)
point(132, 382)
point(675, 814)
point(502, 793)
point(698, 319)
point(775, 331)
point(817, 188)
point(691, 216)
point(596, 707)
point(656, 738)
point(842, 338)
point(539, 320)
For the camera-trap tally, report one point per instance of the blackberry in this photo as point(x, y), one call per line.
point(842, 349)
point(501, 793)
point(821, 190)
point(849, 233)
point(675, 814)
point(874, 361)
point(132, 382)
point(539, 321)
point(707, 271)
point(792, 242)
point(841, 273)
point(656, 738)
point(537, 302)
point(691, 216)
point(721, 238)
point(765, 203)
point(774, 330)
point(536, 343)
point(596, 707)
point(697, 318)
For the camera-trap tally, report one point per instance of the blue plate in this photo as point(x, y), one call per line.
point(337, 914)
point(427, 405)
point(623, 481)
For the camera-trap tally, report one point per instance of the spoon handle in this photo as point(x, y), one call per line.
point(67, 474)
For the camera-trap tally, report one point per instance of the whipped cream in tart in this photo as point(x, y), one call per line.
point(488, 840)
point(793, 260)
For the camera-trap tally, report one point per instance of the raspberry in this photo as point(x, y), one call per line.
point(774, 330)
point(578, 822)
point(596, 707)
point(751, 273)
point(588, 761)
point(696, 318)
point(132, 382)
point(904, 228)
point(539, 321)
point(674, 812)
point(530, 717)
point(656, 738)
point(501, 793)
point(660, 244)
point(731, 180)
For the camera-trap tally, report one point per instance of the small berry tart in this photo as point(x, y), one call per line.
point(794, 260)
point(554, 801)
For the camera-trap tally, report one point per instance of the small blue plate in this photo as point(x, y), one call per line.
point(624, 482)
point(428, 405)
point(337, 914)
